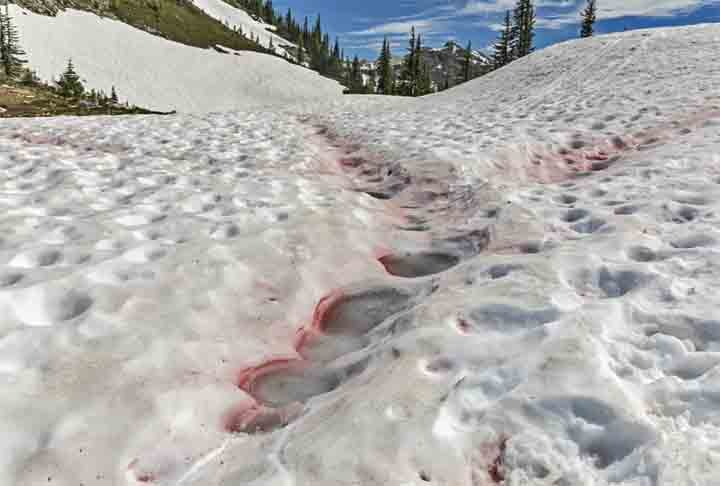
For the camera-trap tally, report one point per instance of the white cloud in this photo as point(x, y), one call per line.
point(421, 25)
point(552, 14)
point(647, 8)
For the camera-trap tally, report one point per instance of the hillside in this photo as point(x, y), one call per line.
point(176, 20)
point(157, 73)
point(446, 63)
point(513, 282)
point(41, 100)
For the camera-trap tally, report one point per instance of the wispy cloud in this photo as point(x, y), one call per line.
point(551, 13)
point(444, 17)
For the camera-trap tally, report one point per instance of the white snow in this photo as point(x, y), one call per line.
point(155, 73)
point(239, 19)
point(208, 299)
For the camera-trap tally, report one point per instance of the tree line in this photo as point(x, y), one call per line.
point(518, 31)
point(314, 47)
point(414, 76)
point(516, 40)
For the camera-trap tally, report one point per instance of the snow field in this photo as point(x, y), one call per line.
point(157, 74)
point(457, 292)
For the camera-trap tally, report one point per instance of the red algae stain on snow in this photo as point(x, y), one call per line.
point(489, 466)
point(141, 476)
point(322, 313)
point(496, 469)
point(325, 308)
point(255, 416)
point(248, 378)
point(252, 418)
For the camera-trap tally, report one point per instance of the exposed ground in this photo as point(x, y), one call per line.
point(42, 101)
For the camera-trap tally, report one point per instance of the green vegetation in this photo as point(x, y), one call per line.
point(69, 83)
point(415, 77)
point(589, 15)
point(516, 38)
point(314, 47)
point(34, 100)
point(11, 54)
point(176, 20)
point(503, 48)
point(524, 28)
point(386, 77)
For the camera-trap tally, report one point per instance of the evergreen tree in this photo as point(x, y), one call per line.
point(289, 22)
point(371, 87)
point(503, 47)
point(524, 29)
point(269, 12)
point(419, 67)
point(30, 78)
point(356, 84)
point(69, 83)
point(113, 96)
point(446, 76)
point(301, 50)
point(467, 63)
point(409, 72)
point(385, 70)
point(11, 54)
point(424, 84)
point(588, 19)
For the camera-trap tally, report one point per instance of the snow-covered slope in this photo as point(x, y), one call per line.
point(152, 72)
point(239, 19)
point(513, 282)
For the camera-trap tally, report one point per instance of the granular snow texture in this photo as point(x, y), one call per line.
point(512, 282)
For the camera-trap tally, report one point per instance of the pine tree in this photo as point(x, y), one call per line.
point(269, 12)
point(424, 84)
point(30, 78)
point(385, 70)
point(69, 83)
point(503, 47)
point(588, 19)
point(301, 50)
point(11, 54)
point(524, 29)
point(446, 76)
point(371, 87)
point(113, 96)
point(419, 67)
point(356, 80)
point(467, 63)
point(409, 72)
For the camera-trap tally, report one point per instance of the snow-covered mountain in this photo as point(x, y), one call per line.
point(446, 63)
point(512, 282)
point(155, 72)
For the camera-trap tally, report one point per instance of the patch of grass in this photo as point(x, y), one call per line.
point(41, 100)
point(176, 20)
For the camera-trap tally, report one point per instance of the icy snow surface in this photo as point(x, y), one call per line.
point(513, 282)
point(155, 73)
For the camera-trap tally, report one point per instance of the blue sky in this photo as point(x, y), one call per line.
point(361, 24)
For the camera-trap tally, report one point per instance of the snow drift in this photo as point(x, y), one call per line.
point(513, 282)
point(158, 74)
